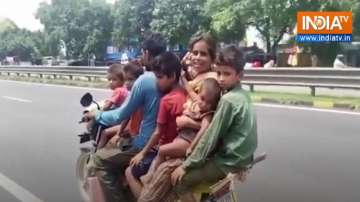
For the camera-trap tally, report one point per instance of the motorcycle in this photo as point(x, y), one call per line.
point(90, 189)
point(88, 146)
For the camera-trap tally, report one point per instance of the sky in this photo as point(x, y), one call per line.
point(22, 12)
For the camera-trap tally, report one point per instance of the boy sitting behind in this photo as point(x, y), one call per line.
point(167, 71)
point(200, 113)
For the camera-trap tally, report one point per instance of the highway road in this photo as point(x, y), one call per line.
point(312, 154)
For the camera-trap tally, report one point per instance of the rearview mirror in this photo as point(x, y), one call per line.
point(86, 100)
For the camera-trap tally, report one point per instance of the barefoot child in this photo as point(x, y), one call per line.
point(188, 137)
point(167, 70)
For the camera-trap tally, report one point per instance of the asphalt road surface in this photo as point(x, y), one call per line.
point(313, 155)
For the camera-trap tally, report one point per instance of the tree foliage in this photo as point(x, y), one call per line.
point(85, 26)
point(179, 20)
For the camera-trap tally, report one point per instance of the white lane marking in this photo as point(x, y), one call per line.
point(55, 85)
point(17, 99)
point(16, 190)
point(307, 109)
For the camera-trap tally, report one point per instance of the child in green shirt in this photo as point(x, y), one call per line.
point(231, 139)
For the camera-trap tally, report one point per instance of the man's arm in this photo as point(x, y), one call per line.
point(108, 104)
point(221, 122)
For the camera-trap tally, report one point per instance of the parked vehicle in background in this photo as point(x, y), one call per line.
point(11, 60)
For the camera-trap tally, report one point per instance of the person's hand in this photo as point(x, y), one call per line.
point(88, 116)
point(90, 125)
point(136, 160)
point(188, 151)
point(186, 60)
point(113, 142)
point(241, 175)
point(184, 78)
point(177, 175)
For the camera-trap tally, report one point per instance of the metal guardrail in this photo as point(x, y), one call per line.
point(304, 77)
point(55, 71)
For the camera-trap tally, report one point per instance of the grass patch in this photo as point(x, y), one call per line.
point(319, 101)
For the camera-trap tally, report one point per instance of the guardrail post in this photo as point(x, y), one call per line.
point(312, 88)
point(251, 88)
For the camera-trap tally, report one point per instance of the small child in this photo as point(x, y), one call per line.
point(200, 113)
point(130, 72)
point(115, 77)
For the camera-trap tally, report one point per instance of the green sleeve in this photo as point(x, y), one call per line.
point(221, 122)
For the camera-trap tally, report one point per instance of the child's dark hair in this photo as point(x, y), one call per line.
point(200, 36)
point(168, 64)
point(154, 43)
point(231, 56)
point(117, 70)
point(213, 91)
point(134, 68)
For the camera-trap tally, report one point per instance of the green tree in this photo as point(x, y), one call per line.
point(327, 51)
point(179, 20)
point(18, 42)
point(6, 24)
point(356, 20)
point(274, 18)
point(131, 19)
point(85, 26)
point(227, 19)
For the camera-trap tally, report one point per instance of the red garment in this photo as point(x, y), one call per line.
point(119, 95)
point(171, 106)
point(135, 121)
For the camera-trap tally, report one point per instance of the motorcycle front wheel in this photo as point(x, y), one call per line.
point(82, 174)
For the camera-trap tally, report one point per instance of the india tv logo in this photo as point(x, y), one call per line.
point(331, 26)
